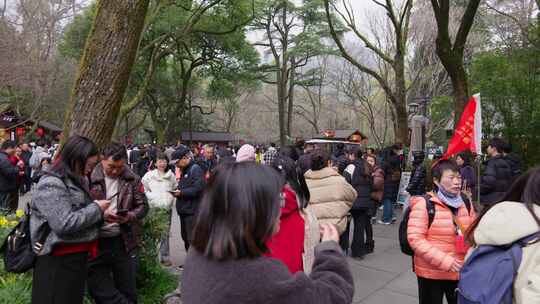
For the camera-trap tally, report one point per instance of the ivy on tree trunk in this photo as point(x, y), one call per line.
point(104, 70)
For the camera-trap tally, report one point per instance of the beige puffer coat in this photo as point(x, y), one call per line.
point(504, 224)
point(331, 197)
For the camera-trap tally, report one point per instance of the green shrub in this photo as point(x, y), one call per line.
point(153, 281)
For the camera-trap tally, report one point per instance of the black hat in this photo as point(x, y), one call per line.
point(179, 154)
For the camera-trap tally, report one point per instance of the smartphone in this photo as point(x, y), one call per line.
point(122, 212)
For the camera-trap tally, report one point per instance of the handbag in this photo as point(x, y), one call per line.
point(18, 252)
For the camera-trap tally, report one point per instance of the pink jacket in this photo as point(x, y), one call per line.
point(435, 248)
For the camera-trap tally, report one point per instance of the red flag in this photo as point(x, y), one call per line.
point(468, 130)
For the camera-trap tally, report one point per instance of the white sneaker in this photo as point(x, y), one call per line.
point(383, 223)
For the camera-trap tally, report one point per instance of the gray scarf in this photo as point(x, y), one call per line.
point(450, 199)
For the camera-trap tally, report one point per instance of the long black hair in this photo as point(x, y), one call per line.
point(294, 178)
point(72, 160)
point(466, 156)
point(239, 211)
point(290, 152)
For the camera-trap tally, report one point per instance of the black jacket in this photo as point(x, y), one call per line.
point(361, 183)
point(392, 176)
point(496, 180)
point(417, 183)
point(515, 165)
point(134, 156)
point(191, 186)
point(8, 174)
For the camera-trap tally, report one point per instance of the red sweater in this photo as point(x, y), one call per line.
point(288, 244)
point(14, 159)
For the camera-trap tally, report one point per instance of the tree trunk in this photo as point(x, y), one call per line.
point(461, 92)
point(454, 66)
point(105, 68)
point(290, 99)
point(400, 101)
point(281, 107)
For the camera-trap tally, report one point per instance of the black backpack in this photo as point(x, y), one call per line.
point(17, 247)
point(430, 207)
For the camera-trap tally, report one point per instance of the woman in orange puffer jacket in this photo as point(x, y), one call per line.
point(439, 250)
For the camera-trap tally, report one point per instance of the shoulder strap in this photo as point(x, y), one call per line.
point(530, 239)
point(430, 207)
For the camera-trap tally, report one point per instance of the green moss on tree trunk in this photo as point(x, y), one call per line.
point(104, 69)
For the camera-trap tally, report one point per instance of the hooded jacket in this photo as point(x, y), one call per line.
point(157, 187)
point(331, 197)
point(504, 224)
point(288, 244)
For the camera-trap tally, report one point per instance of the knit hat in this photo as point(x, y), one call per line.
point(178, 154)
point(246, 153)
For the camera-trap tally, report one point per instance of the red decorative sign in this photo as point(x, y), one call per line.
point(20, 131)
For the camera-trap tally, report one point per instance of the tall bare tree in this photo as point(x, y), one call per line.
point(395, 85)
point(292, 35)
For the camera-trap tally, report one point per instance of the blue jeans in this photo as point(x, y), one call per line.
point(388, 210)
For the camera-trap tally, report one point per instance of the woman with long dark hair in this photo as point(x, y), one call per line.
point(294, 244)
point(515, 217)
point(237, 216)
point(359, 175)
point(61, 203)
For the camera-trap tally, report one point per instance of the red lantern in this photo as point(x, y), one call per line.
point(20, 131)
point(40, 132)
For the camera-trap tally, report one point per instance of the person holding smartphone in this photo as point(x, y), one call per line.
point(61, 202)
point(189, 191)
point(111, 275)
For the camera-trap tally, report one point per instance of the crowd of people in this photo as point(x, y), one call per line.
point(262, 225)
